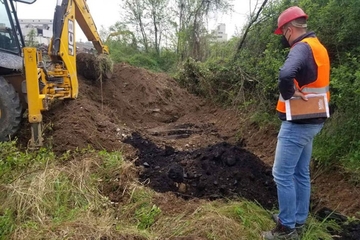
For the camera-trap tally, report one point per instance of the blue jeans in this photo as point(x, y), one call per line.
point(291, 171)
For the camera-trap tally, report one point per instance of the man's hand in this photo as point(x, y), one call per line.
point(300, 94)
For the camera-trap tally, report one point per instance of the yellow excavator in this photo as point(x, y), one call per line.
point(29, 84)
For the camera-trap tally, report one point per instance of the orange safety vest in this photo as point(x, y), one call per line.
point(321, 84)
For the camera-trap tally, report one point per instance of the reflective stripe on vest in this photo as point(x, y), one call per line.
point(308, 90)
point(321, 84)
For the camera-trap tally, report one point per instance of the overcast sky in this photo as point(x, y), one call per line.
point(107, 12)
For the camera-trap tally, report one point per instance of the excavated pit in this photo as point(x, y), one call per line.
point(181, 143)
point(217, 171)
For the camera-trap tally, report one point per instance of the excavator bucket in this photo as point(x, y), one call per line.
point(94, 67)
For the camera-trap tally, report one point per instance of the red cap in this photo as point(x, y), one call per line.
point(288, 15)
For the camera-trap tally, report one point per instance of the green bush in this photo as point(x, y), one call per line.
point(143, 60)
point(196, 77)
point(341, 136)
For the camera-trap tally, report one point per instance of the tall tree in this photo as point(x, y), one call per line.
point(120, 32)
point(193, 14)
point(136, 16)
point(157, 11)
point(252, 19)
point(155, 19)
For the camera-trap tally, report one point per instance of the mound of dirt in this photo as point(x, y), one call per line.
point(106, 111)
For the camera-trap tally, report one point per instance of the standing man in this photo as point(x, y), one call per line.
point(305, 70)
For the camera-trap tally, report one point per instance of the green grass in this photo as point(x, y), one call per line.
point(71, 197)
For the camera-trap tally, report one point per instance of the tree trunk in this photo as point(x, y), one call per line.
point(251, 22)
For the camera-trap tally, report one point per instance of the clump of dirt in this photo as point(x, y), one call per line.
point(94, 67)
point(182, 143)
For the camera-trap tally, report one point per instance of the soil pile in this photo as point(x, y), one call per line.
point(106, 111)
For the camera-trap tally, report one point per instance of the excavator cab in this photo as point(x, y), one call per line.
point(9, 42)
point(11, 39)
point(12, 102)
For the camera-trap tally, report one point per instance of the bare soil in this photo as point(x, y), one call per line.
point(183, 144)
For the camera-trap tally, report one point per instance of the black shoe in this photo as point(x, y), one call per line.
point(281, 232)
point(299, 227)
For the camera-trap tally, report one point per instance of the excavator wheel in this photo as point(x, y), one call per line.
point(10, 110)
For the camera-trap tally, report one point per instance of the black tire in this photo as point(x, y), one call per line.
point(10, 107)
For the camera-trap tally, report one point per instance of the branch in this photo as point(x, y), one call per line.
point(253, 20)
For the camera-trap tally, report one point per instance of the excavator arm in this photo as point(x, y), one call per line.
point(65, 13)
point(57, 78)
point(87, 25)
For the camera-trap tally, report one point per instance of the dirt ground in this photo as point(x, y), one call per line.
point(182, 143)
